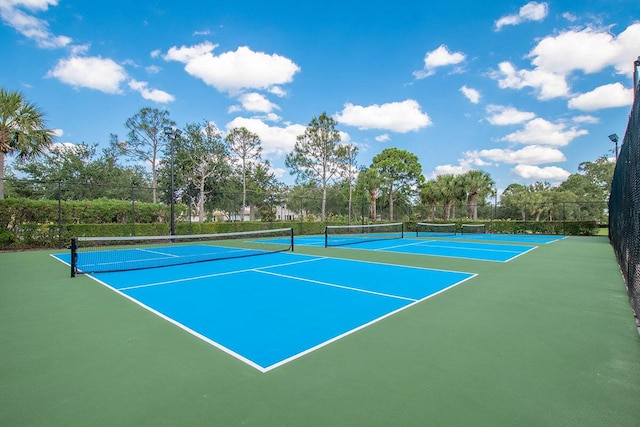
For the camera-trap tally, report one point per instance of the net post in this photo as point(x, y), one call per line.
point(402, 230)
point(291, 239)
point(74, 256)
point(326, 236)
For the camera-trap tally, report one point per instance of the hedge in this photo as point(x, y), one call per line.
point(26, 223)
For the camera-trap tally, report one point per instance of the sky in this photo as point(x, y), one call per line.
point(524, 91)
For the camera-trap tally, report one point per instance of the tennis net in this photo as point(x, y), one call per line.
point(340, 235)
point(109, 254)
point(473, 229)
point(424, 229)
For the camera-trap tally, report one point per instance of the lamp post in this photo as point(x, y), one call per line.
point(172, 134)
point(614, 138)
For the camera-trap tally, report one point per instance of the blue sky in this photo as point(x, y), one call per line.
point(523, 91)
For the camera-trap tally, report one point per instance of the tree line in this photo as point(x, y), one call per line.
point(204, 167)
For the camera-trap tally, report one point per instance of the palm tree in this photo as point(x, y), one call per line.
point(22, 129)
point(478, 185)
point(450, 190)
point(430, 196)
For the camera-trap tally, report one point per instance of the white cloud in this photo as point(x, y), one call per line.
point(472, 94)
point(153, 69)
point(531, 155)
point(589, 50)
point(555, 58)
point(278, 91)
point(383, 138)
point(28, 25)
point(550, 173)
point(450, 170)
point(275, 140)
point(440, 57)
point(607, 96)
point(234, 71)
point(94, 72)
point(155, 95)
point(532, 11)
point(586, 119)
point(549, 85)
point(542, 132)
point(256, 102)
point(501, 116)
point(399, 117)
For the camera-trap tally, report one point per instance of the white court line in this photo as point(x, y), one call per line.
point(206, 276)
point(333, 285)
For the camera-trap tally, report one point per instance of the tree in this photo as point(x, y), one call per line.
point(399, 171)
point(83, 173)
point(430, 196)
point(264, 191)
point(372, 185)
point(202, 162)
point(478, 185)
point(245, 145)
point(349, 152)
point(600, 172)
point(449, 188)
point(515, 197)
point(22, 130)
point(145, 137)
point(316, 156)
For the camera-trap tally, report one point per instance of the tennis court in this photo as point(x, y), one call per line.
point(497, 252)
point(265, 310)
point(545, 339)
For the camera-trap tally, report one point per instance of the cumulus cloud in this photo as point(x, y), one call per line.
point(235, 71)
point(548, 84)
point(256, 102)
point(383, 138)
point(606, 96)
point(555, 58)
point(549, 173)
point(155, 95)
point(589, 50)
point(91, 72)
point(532, 11)
point(450, 170)
point(471, 94)
point(440, 57)
point(399, 117)
point(13, 14)
point(531, 155)
point(275, 140)
point(543, 132)
point(500, 115)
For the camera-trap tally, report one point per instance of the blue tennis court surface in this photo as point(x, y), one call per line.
point(269, 310)
point(440, 247)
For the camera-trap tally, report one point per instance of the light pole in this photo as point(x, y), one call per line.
point(172, 134)
point(614, 138)
point(363, 171)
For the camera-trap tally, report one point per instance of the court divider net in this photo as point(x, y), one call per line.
point(473, 228)
point(341, 235)
point(425, 229)
point(110, 254)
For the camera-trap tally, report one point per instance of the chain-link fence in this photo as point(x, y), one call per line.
point(624, 205)
point(42, 213)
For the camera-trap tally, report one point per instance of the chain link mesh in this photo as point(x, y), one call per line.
point(624, 205)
